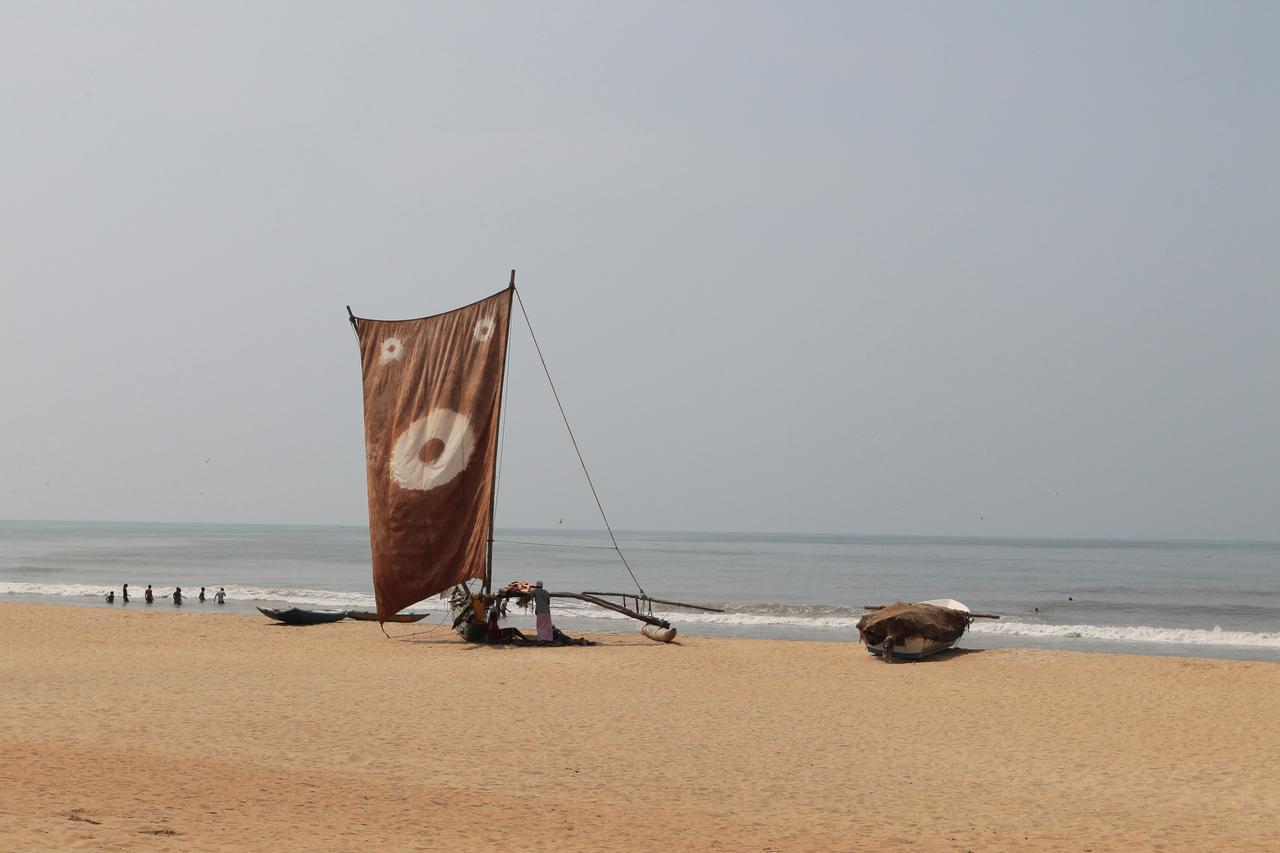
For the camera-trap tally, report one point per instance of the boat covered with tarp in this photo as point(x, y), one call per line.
point(913, 630)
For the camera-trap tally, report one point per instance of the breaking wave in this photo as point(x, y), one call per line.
point(234, 592)
point(1131, 634)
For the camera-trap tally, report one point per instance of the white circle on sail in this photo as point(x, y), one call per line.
point(484, 329)
point(433, 450)
point(392, 349)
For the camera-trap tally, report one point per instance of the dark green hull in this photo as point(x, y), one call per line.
point(297, 616)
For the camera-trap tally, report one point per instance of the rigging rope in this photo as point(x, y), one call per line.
point(576, 449)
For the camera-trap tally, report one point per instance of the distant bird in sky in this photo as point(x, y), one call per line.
point(562, 521)
point(206, 459)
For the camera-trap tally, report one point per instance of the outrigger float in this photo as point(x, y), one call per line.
point(433, 393)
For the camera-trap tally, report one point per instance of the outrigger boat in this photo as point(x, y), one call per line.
point(433, 392)
point(914, 631)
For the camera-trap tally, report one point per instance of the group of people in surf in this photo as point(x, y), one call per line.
point(149, 596)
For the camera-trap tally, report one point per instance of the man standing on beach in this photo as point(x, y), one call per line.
point(149, 596)
point(125, 594)
point(177, 597)
point(542, 611)
point(202, 595)
point(221, 597)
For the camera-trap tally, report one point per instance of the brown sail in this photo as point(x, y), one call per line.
point(432, 392)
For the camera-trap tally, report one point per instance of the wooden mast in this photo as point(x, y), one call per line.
point(497, 431)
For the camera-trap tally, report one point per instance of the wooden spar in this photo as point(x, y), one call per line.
point(971, 615)
point(609, 605)
point(493, 486)
point(626, 595)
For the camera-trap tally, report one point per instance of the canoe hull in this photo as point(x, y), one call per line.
point(298, 616)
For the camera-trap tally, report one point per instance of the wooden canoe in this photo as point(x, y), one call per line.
point(298, 616)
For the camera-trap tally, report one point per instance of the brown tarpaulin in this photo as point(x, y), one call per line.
point(901, 620)
point(432, 390)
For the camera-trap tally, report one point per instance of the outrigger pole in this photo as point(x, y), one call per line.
point(625, 595)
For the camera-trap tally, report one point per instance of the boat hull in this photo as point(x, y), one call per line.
point(913, 648)
point(298, 616)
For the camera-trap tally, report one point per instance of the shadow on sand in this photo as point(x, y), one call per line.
point(940, 657)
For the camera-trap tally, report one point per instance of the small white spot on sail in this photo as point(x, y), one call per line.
point(392, 349)
point(453, 438)
point(485, 328)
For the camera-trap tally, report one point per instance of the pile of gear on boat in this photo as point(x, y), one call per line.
point(477, 620)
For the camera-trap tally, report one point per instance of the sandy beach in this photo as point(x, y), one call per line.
point(153, 729)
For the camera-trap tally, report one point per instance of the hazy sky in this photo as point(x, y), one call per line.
point(971, 268)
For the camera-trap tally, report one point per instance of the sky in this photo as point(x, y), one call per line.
point(989, 269)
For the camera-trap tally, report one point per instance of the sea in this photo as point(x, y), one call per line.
point(1194, 599)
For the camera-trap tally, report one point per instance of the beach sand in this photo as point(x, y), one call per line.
point(146, 728)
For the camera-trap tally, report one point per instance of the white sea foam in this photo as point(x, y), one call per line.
point(234, 592)
point(67, 589)
point(748, 615)
point(1132, 634)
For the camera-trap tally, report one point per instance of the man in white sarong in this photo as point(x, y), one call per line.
point(542, 611)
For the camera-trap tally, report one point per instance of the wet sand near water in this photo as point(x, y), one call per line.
point(152, 729)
